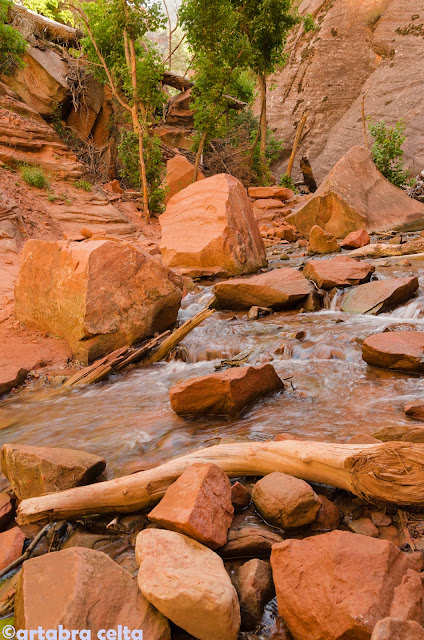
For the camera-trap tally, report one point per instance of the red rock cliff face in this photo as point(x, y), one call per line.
point(372, 46)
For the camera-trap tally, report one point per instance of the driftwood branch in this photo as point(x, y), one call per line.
point(44, 27)
point(391, 472)
point(296, 142)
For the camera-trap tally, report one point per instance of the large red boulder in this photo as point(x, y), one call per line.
point(355, 195)
point(35, 471)
point(101, 294)
point(380, 295)
point(83, 589)
point(198, 504)
point(210, 225)
point(337, 585)
point(11, 546)
point(399, 350)
point(225, 393)
point(179, 174)
point(279, 289)
point(340, 271)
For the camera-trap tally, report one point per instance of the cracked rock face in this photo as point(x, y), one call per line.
point(385, 39)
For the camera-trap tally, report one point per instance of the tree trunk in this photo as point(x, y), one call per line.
point(391, 472)
point(296, 142)
point(199, 155)
point(263, 126)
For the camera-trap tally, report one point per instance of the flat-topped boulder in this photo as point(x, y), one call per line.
point(404, 433)
point(179, 174)
point(187, 583)
point(102, 294)
point(35, 471)
point(356, 239)
point(83, 589)
point(354, 196)
point(281, 288)
point(398, 350)
point(282, 193)
point(380, 295)
point(268, 203)
point(340, 271)
point(226, 393)
point(211, 224)
point(321, 241)
point(198, 504)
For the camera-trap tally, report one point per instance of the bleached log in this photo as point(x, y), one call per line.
point(44, 27)
point(391, 472)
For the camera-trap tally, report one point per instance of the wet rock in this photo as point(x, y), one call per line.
point(11, 546)
point(340, 271)
point(11, 378)
point(363, 526)
point(225, 393)
point(379, 296)
point(240, 496)
point(281, 288)
point(35, 471)
point(6, 510)
point(356, 239)
point(398, 350)
point(249, 542)
point(415, 410)
point(397, 629)
point(187, 583)
point(405, 434)
point(90, 591)
point(285, 501)
point(282, 193)
point(362, 438)
point(321, 241)
point(355, 195)
point(102, 294)
point(254, 585)
point(197, 504)
point(179, 175)
point(223, 231)
point(285, 231)
point(328, 516)
point(336, 585)
point(408, 598)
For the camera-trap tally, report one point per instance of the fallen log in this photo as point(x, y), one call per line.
point(391, 472)
point(383, 250)
point(44, 27)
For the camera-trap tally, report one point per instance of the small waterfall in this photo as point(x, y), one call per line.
point(412, 311)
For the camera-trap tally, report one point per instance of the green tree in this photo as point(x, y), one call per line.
point(128, 63)
point(387, 151)
point(12, 44)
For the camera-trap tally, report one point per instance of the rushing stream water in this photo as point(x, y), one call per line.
point(330, 393)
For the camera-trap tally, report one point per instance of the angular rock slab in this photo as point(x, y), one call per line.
point(397, 629)
point(278, 289)
point(415, 410)
point(340, 271)
point(11, 546)
point(198, 504)
point(210, 225)
point(225, 393)
point(254, 585)
point(336, 585)
point(187, 583)
point(179, 175)
point(321, 242)
point(83, 589)
point(355, 195)
point(282, 193)
point(380, 295)
point(285, 501)
point(398, 350)
point(356, 239)
point(102, 294)
point(35, 471)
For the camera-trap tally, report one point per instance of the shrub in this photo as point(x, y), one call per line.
point(387, 151)
point(34, 176)
point(83, 184)
point(12, 44)
point(287, 181)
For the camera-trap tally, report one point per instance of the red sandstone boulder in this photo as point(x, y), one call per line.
point(285, 501)
point(356, 239)
point(249, 542)
point(211, 225)
point(355, 195)
point(179, 174)
point(11, 378)
point(225, 393)
point(102, 294)
point(282, 193)
point(35, 471)
point(340, 271)
point(408, 598)
point(336, 585)
point(254, 585)
point(188, 583)
point(328, 516)
point(6, 510)
point(321, 241)
point(399, 350)
point(268, 203)
point(397, 629)
point(11, 546)
point(198, 504)
point(240, 496)
point(278, 289)
point(415, 410)
point(379, 296)
point(83, 589)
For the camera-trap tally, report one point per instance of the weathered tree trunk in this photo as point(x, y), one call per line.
point(199, 155)
point(263, 124)
point(44, 27)
point(296, 142)
point(308, 175)
point(390, 472)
